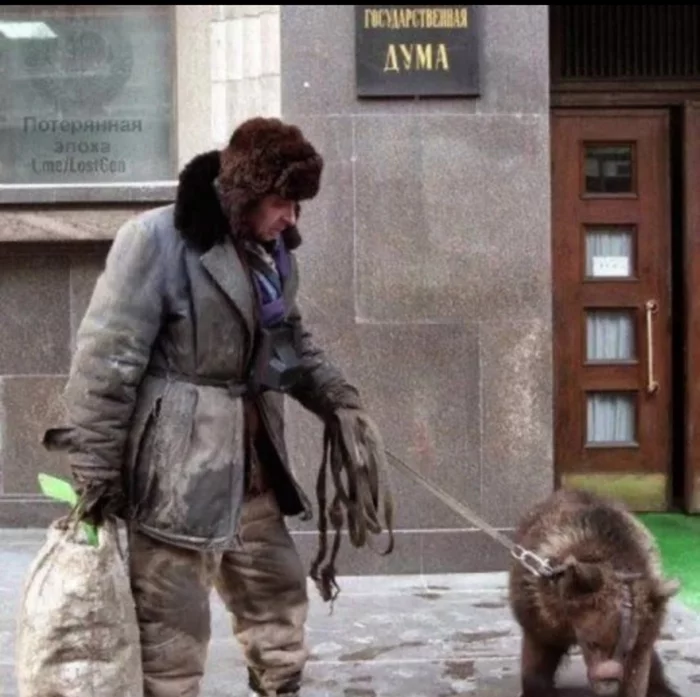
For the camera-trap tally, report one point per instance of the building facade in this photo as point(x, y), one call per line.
point(506, 271)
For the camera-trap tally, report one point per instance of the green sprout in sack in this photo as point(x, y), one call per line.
point(63, 491)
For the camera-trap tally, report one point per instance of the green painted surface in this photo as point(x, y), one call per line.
point(678, 537)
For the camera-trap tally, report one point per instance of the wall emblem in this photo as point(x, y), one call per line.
point(86, 66)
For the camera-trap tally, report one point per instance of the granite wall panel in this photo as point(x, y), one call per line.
point(33, 313)
point(30, 405)
point(44, 292)
point(450, 216)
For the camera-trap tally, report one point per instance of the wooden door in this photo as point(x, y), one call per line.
point(691, 254)
point(612, 304)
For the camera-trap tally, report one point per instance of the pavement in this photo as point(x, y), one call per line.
point(388, 636)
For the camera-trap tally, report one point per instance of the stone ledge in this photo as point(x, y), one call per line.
point(22, 224)
point(415, 552)
point(145, 193)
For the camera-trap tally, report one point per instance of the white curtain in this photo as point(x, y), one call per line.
point(610, 335)
point(610, 418)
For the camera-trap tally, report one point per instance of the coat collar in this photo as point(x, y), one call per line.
point(225, 267)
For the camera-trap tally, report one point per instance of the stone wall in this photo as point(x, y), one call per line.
point(425, 268)
point(426, 273)
point(245, 65)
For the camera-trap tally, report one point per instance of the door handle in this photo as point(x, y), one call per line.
point(652, 384)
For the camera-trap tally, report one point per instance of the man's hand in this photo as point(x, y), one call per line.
point(354, 451)
point(98, 499)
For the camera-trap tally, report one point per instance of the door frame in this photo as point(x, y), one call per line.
point(691, 282)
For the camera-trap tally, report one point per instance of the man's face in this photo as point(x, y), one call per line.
point(272, 215)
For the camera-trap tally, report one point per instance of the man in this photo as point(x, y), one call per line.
point(175, 404)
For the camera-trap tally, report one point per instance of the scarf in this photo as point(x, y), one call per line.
point(270, 269)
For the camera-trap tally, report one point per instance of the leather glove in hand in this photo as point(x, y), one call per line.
point(361, 453)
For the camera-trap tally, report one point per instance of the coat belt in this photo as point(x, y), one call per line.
point(256, 478)
point(234, 387)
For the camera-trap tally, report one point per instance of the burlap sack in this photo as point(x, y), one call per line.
point(78, 634)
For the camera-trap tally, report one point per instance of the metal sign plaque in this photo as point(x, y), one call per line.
point(417, 50)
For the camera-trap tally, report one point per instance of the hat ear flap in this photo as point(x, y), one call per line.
point(291, 237)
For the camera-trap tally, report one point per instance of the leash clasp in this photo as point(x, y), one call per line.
point(534, 564)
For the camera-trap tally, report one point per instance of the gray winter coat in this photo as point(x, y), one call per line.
point(172, 310)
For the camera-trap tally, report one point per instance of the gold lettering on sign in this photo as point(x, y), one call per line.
point(417, 18)
point(408, 57)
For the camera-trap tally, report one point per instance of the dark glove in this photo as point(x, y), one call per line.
point(359, 453)
point(98, 499)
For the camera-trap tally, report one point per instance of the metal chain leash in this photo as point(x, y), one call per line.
point(533, 563)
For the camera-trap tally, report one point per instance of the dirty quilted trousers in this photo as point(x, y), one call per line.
point(263, 585)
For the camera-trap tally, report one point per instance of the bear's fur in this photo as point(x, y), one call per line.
point(607, 568)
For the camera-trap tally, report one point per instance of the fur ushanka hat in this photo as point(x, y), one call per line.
point(218, 189)
point(266, 156)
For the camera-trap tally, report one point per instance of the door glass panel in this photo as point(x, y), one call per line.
point(611, 418)
point(609, 169)
point(610, 335)
point(609, 251)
